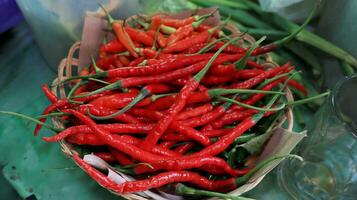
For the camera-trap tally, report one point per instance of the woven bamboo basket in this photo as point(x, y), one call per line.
point(70, 63)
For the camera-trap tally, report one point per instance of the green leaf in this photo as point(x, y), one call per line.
point(255, 145)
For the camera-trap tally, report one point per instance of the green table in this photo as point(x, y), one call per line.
point(31, 166)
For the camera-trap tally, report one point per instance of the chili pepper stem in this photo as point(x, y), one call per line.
point(243, 179)
point(282, 106)
point(32, 120)
point(243, 61)
point(307, 100)
point(185, 190)
point(112, 86)
point(110, 18)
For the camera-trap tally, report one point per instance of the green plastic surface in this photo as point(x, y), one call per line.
point(32, 166)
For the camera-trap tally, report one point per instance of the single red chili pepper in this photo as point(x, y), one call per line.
point(188, 163)
point(215, 80)
point(254, 65)
point(195, 48)
point(166, 144)
point(113, 46)
point(121, 34)
point(116, 101)
point(52, 97)
point(123, 59)
point(92, 97)
point(140, 36)
point(107, 157)
point(182, 149)
point(120, 157)
point(115, 128)
point(257, 79)
point(245, 74)
point(195, 112)
point(187, 42)
point(104, 112)
point(136, 62)
point(229, 118)
point(148, 53)
point(298, 86)
point(155, 23)
point(183, 81)
point(183, 138)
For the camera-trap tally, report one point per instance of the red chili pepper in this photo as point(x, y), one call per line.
point(215, 80)
point(195, 48)
point(115, 128)
point(120, 157)
point(140, 36)
point(229, 118)
point(187, 42)
point(254, 65)
point(183, 81)
point(52, 97)
point(177, 23)
point(113, 46)
point(188, 163)
point(104, 112)
point(60, 104)
point(183, 138)
point(136, 62)
point(116, 101)
point(195, 112)
point(257, 79)
point(298, 86)
point(107, 157)
point(122, 35)
point(166, 144)
point(182, 149)
point(155, 23)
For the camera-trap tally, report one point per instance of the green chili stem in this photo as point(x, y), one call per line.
point(307, 100)
point(243, 61)
point(221, 92)
point(185, 190)
point(75, 87)
point(52, 115)
point(243, 179)
point(250, 106)
point(32, 120)
point(198, 77)
point(111, 86)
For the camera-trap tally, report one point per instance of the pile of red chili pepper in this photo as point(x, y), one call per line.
point(170, 101)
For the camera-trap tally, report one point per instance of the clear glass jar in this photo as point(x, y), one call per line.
point(329, 169)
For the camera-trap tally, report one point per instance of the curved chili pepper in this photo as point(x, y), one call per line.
point(298, 86)
point(140, 36)
point(182, 149)
point(84, 109)
point(113, 46)
point(121, 34)
point(115, 128)
point(195, 112)
point(107, 157)
point(52, 97)
point(120, 157)
point(188, 42)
